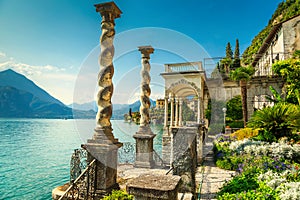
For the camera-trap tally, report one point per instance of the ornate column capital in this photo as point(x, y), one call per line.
point(180, 101)
point(172, 98)
point(109, 11)
point(146, 51)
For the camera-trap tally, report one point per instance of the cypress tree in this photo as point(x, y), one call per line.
point(237, 50)
point(229, 53)
point(237, 61)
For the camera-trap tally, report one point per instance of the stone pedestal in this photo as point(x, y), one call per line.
point(154, 187)
point(144, 148)
point(104, 148)
point(184, 157)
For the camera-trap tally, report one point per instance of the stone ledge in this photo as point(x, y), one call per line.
point(154, 187)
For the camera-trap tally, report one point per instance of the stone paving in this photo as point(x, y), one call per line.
point(209, 178)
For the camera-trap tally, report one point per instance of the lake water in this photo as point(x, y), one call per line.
point(35, 153)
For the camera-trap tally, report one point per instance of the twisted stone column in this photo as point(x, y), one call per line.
point(144, 136)
point(145, 86)
point(103, 146)
point(108, 11)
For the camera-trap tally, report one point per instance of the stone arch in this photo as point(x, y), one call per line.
point(184, 88)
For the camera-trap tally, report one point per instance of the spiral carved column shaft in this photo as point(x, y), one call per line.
point(108, 12)
point(144, 136)
point(103, 146)
point(145, 85)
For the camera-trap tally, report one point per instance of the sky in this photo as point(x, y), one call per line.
point(55, 43)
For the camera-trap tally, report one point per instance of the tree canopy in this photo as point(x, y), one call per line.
point(289, 70)
point(242, 73)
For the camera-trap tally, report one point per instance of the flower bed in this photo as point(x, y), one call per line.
point(264, 170)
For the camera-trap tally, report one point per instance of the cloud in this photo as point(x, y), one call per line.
point(2, 54)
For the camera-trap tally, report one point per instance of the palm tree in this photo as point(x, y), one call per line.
point(243, 75)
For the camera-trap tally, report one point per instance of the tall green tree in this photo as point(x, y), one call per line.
point(236, 59)
point(229, 53)
point(237, 50)
point(243, 75)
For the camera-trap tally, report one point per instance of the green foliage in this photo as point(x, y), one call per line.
point(264, 135)
point(243, 182)
point(296, 54)
point(229, 53)
point(284, 11)
point(236, 124)
point(236, 61)
point(279, 120)
point(276, 97)
point(234, 108)
point(262, 192)
point(242, 73)
point(187, 113)
point(118, 195)
point(265, 171)
point(237, 50)
point(289, 70)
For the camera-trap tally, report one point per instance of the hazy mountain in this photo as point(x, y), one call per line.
point(119, 113)
point(85, 106)
point(19, 103)
point(20, 82)
point(93, 106)
point(118, 109)
point(20, 97)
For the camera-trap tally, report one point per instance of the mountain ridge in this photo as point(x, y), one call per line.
point(20, 97)
point(11, 78)
point(118, 109)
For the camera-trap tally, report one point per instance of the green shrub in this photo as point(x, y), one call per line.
point(118, 195)
point(236, 124)
point(264, 135)
point(263, 192)
point(224, 164)
point(278, 121)
point(243, 182)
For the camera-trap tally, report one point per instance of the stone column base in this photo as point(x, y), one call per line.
point(144, 148)
point(104, 148)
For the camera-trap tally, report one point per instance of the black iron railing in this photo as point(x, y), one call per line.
point(83, 187)
point(78, 163)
